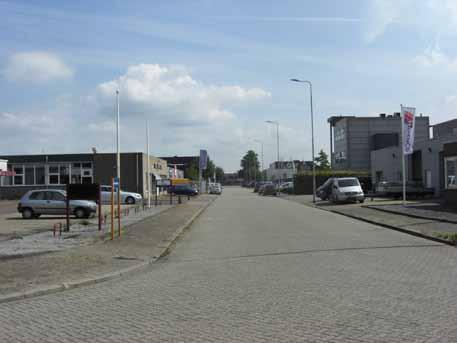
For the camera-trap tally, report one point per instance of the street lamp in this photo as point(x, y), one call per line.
point(312, 132)
point(277, 134)
point(261, 147)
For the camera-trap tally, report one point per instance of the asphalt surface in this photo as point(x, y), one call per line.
point(262, 269)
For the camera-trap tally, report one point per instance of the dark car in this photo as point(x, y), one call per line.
point(183, 190)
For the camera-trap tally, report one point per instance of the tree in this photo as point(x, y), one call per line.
point(191, 171)
point(219, 174)
point(321, 161)
point(250, 166)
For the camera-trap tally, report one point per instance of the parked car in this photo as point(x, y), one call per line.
point(269, 189)
point(53, 201)
point(263, 185)
point(286, 187)
point(183, 189)
point(215, 188)
point(258, 185)
point(347, 189)
point(129, 198)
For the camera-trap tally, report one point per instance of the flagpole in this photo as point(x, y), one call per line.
point(403, 153)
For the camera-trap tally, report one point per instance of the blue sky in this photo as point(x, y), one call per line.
point(207, 74)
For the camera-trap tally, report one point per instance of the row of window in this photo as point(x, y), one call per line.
point(52, 174)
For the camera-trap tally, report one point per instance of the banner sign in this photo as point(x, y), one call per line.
point(7, 173)
point(407, 117)
point(203, 161)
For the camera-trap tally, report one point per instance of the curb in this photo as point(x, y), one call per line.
point(410, 215)
point(387, 226)
point(160, 251)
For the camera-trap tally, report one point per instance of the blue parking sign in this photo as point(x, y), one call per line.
point(116, 183)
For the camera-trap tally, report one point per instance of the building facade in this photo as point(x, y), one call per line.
point(353, 138)
point(56, 170)
point(427, 164)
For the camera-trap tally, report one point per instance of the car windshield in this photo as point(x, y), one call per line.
point(348, 183)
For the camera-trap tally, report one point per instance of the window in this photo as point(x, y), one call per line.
point(39, 175)
point(348, 182)
point(19, 177)
point(87, 165)
point(450, 172)
point(56, 196)
point(30, 175)
point(37, 196)
point(53, 169)
point(64, 177)
point(340, 134)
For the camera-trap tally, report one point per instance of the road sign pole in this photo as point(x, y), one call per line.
point(119, 208)
point(112, 208)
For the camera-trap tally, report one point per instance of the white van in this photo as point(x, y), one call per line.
point(347, 189)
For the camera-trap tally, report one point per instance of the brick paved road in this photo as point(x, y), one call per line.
point(262, 270)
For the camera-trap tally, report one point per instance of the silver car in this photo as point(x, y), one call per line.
point(53, 201)
point(129, 198)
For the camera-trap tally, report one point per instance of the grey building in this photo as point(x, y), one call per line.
point(426, 165)
point(56, 170)
point(353, 138)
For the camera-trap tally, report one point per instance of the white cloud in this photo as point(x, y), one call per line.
point(171, 94)
point(36, 67)
point(433, 57)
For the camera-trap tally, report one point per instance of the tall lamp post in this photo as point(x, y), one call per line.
point(118, 143)
point(312, 132)
point(261, 152)
point(277, 141)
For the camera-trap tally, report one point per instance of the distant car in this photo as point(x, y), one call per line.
point(183, 189)
point(286, 186)
point(263, 185)
point(215, 188)
point(269, 189)
point(346, 189)
point(53, 201)
point(258, 185)
point(129, 198)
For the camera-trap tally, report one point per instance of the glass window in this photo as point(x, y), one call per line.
point(348, 182)
point(54, 179)
point(450, 168)
point(39, 175)
point(76, 165)
point(76, 173)
point(29, 175)
point(37, 196)
point(54, 169)
point(87, 165)
point(56, 196)
point(64, 177)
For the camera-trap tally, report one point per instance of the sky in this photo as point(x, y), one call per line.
point(209, 74)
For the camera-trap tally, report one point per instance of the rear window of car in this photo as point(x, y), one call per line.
point(348, 182)
point(37, 196)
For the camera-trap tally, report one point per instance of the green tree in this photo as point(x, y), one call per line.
point(250, 166)
point(219, 174)
point(191, 171)
point(321, 161)
point(208, 173)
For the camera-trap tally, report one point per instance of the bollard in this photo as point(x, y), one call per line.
point(188, 197)
point(179, 199)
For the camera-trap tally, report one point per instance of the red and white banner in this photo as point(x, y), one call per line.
point(7, 173)
point(408, 122)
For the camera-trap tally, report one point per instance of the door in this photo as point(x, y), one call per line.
point(38, 202)
point(56, 203)
point(428, 179)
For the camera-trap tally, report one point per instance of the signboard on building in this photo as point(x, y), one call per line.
point(3, 165)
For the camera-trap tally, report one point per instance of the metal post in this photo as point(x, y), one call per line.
point(312, 133)
point(119, 208)
point(277, 138)
point(112, 208)
point(148, 178)
point(403, 167)
point(118, 143)
point(99, 208)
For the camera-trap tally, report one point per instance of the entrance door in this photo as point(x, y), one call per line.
point(428, 178)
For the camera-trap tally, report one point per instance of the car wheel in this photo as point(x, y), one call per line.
point(130, 200)
point(27, 213)
point(80, 213)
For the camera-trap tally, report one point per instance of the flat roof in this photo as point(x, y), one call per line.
point(334, 119)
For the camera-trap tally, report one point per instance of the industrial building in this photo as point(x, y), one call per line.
point(56, 170)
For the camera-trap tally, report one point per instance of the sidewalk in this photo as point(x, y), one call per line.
point(390, 214)
point(140, 244)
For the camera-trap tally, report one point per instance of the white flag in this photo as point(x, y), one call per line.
point(407, 119)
